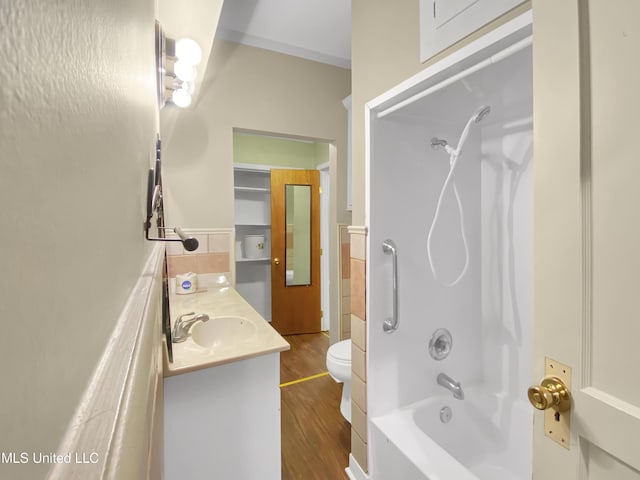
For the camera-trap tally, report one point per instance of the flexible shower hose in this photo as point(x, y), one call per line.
point(453, 160)
point(454, 155)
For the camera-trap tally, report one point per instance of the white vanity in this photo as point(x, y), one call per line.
point(221, 392)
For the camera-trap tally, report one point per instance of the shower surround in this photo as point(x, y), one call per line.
point(423, 411)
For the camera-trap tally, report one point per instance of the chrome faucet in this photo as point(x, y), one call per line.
point(182, 327)
point(450, 384)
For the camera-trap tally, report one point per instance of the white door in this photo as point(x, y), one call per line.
point(587, 231)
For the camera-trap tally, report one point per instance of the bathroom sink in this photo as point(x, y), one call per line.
point(223, 331)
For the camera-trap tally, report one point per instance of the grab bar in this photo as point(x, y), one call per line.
point(391, 324)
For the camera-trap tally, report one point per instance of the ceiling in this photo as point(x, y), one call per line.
point(318, 30)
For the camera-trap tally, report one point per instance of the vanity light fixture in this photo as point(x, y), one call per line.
point(181, 98)
point(184, 71)
point(182, 56)
point(188, 50)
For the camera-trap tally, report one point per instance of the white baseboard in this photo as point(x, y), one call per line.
point(354, 471)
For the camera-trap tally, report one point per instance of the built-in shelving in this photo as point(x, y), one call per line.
point(252, 189)
point(252, 203)
point(243, 260)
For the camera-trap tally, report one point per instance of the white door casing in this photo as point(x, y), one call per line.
point(325, 288)
point(587, 231)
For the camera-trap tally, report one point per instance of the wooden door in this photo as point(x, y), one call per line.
point(587, 232)
point(295, 251)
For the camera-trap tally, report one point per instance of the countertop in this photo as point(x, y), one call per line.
point(188, 356)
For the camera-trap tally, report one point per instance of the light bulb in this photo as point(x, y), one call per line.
point(184, 71)
point(189, 87)
point(181, 98)
point(189, 51)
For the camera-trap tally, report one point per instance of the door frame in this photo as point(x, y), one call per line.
point(325, 245)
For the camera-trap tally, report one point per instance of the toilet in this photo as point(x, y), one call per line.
point(339, 367)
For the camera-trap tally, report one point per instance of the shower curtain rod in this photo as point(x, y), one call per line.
point(495, 58)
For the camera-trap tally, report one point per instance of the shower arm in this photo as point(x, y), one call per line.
point(390, 325)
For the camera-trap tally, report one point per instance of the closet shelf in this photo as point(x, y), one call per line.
point(252, 189)
point(246, 260)
point(252, 217)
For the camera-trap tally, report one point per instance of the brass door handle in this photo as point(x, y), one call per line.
point(276, 261)
point(551, 393)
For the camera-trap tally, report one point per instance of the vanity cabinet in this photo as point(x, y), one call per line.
point(224, 421)
point(221, 392)
point(252, 204)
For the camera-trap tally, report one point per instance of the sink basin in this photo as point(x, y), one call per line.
point(223, 331)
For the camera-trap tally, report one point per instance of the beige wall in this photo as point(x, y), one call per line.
point(257, 90)
point(385, 49)
point(78, 118)
point(250, 89)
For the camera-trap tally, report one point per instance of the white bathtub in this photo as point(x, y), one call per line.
point(483, 440)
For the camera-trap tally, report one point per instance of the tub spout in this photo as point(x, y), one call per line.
point(450, 384)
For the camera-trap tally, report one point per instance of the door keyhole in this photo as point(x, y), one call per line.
point(557, 416)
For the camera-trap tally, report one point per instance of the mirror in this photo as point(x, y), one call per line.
point(298, 234)
point(160, 63)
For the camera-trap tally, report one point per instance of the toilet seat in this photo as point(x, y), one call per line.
point(340, 352)
point(339, 361)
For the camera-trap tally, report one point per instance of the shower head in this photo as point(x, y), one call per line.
point(477, 117)
point(438, 142)
point(484, 111)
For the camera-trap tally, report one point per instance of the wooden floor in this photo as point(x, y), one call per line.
point(316, 439)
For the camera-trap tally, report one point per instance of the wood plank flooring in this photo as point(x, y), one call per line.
point(316, 439)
